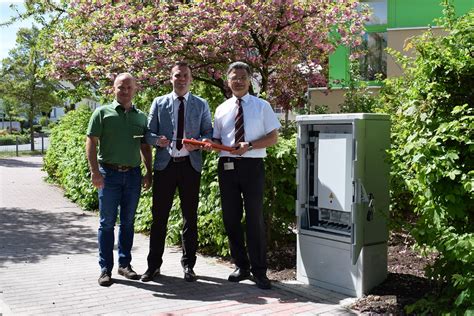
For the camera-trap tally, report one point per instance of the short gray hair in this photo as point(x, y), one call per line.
point(125, 75)
point(239, 65)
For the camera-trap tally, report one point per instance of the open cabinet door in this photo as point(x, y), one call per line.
point(360, 204)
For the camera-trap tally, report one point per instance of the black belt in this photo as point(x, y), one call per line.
point(180, 159)
point(240, 158)
point(118, 168)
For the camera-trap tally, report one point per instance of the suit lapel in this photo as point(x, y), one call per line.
point(169, 107)
point(189, 113)
point(190, 108)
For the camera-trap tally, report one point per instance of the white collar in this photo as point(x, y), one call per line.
point(244, 98)
point(175, 96)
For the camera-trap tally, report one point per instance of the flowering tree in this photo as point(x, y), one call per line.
point(23, 83)
point(277, 38)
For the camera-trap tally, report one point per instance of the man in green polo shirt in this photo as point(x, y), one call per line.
point(117, 130)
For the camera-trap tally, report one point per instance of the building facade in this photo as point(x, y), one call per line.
point(391, 24)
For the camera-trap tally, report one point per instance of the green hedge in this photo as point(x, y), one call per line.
point(279, 203)
point(11, 139)
point(433, 158)
point(66, 165)
point(65, 160)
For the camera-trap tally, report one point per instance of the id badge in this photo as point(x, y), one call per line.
point(228, 166)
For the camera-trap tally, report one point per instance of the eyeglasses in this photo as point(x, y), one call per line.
point(235, 79)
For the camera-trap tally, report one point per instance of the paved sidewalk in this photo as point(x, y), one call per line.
point(48, 265)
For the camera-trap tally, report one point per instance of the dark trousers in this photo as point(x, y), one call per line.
point(179, 175)
point(242, 187)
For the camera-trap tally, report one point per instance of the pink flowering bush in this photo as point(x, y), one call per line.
point(99, 39)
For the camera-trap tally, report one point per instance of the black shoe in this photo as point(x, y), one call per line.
point(239, 275)
point(128, 272)
point(150, 274)
point(105, 278)
point(262, 282)
point(189, 275)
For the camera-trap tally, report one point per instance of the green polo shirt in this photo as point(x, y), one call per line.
point(117, 131)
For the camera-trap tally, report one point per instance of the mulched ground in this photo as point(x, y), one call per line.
point(404, 285)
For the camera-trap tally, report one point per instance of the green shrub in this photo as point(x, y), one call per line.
point(66, 164)
point(37, 128)
point(52, 124)
point(358, 97)
point(279, 203)
point(280, 189)
point(65, 160)
point(44, 121)
point(433, 157)
point(10, 139)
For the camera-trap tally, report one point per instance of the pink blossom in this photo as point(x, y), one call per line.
point(98, 38)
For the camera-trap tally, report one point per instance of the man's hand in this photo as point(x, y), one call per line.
point(208, 146)
point(147, 181)
point(97, 180)
point(162, 141)
point(240, 149)
point(190, 147)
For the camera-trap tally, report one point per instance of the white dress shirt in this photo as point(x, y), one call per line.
point(259, 120)
point(172, 149)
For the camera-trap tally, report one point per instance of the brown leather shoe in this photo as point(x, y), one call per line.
point(105, 278)
point(128, 272)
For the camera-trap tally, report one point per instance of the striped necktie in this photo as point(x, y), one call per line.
point(239, 123)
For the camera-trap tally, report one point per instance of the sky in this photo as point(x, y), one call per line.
point(8, 33)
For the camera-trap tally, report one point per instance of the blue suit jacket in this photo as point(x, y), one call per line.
point(161, 121)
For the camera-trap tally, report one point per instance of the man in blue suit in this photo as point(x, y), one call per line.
point(173, 117)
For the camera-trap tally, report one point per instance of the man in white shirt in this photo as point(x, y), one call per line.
point(248, 124)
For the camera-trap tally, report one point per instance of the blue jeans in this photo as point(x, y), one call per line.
point(120, 189)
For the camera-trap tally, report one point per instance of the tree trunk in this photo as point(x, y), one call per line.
point(32, 132)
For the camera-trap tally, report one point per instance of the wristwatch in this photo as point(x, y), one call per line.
point(250, 146)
